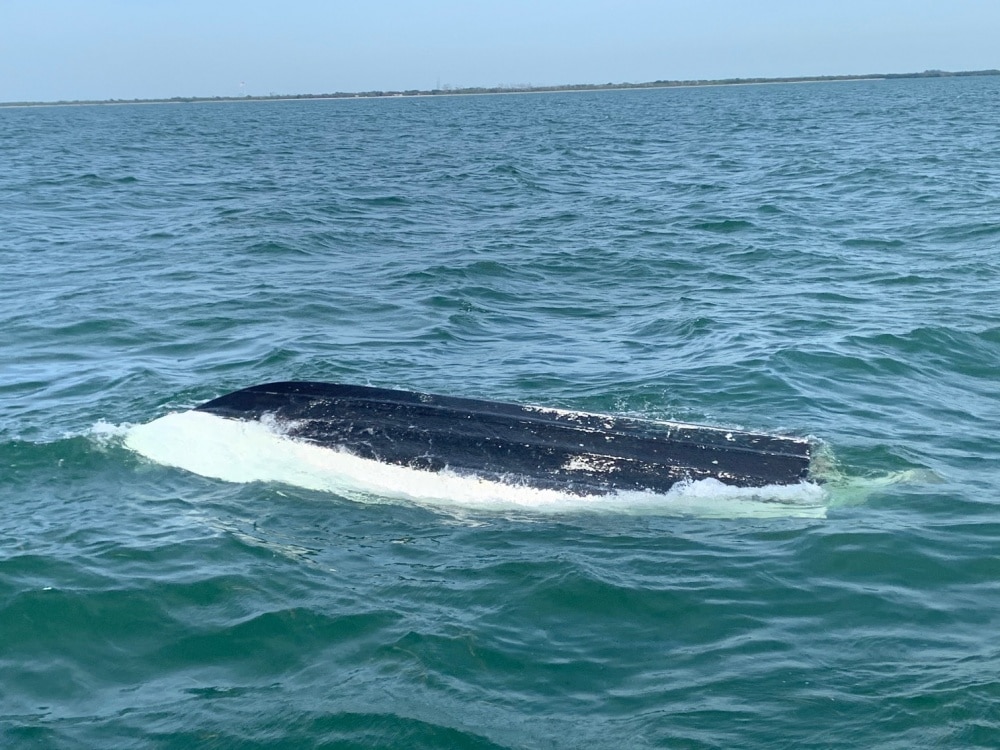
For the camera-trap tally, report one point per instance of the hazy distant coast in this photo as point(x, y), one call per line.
point(515, 89)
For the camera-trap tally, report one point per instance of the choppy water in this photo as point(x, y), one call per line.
point(812, 259)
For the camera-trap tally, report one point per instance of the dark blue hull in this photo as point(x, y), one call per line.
point(546, 448)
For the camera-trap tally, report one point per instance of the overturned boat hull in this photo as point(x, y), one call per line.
point(575, 452)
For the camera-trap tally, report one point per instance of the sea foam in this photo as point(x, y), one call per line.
point(251, 451)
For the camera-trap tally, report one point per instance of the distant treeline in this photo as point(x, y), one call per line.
point(525, 89)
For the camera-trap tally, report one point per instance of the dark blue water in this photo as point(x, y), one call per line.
point(814, 259)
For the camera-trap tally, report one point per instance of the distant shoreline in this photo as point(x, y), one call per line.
point(479, 90)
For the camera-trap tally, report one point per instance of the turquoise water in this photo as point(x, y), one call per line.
point(815, 260)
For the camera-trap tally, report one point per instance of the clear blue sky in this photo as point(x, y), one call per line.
point(124, 49)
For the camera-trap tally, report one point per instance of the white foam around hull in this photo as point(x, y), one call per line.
point(250, 451)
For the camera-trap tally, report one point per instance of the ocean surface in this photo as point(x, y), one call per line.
point(818, 260)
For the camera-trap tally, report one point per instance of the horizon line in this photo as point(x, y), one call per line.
point(512, 89)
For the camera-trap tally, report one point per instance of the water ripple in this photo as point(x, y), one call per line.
point(813, 259)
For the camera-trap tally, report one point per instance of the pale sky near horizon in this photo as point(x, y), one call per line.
point(124, 49)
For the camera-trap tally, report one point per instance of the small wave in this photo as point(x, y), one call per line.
point(104, 434)
point(272, 247)
point(724, 226)
point(243, 452)
point(873, 242)
point(384, 201)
